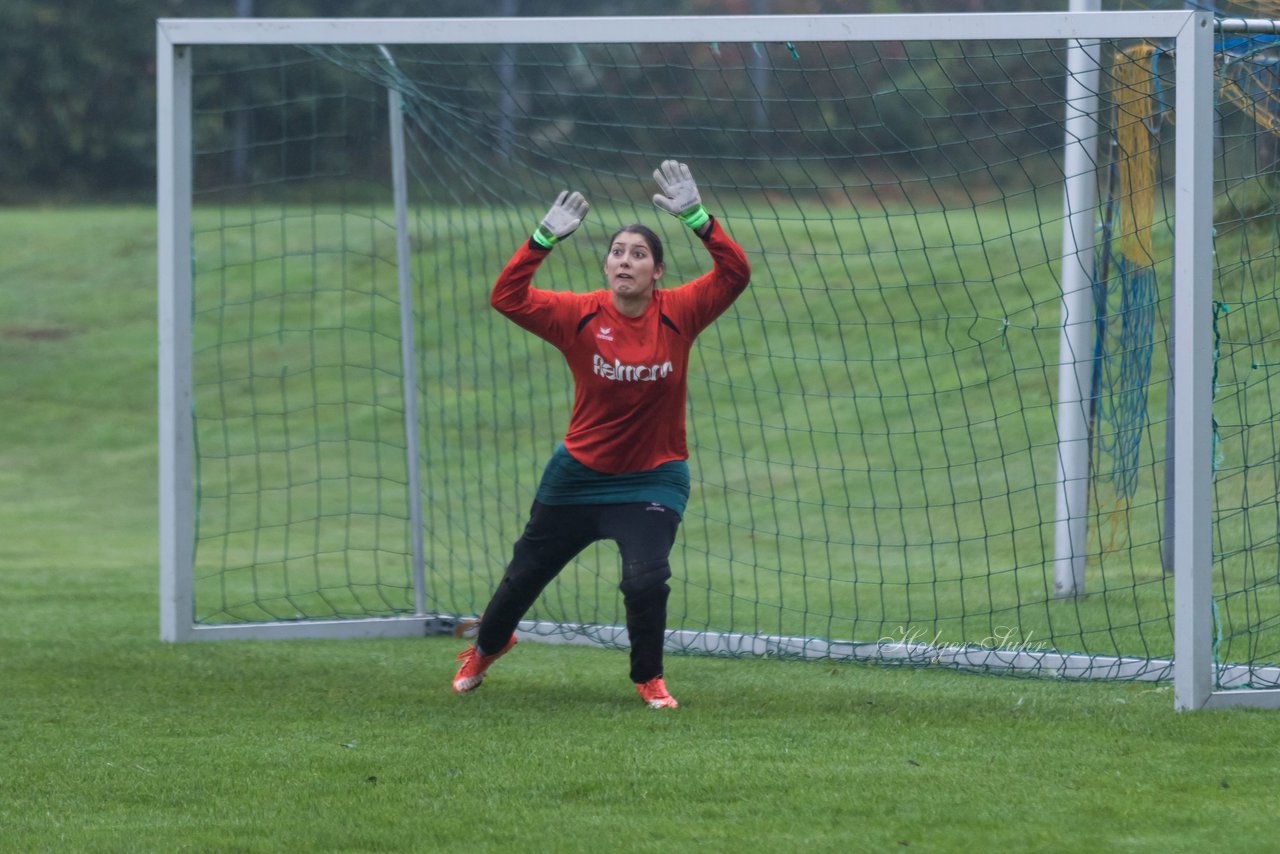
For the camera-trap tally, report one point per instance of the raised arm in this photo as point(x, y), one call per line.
point(706, 297)
point(513, 293)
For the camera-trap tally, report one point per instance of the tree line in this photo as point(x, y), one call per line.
point(77, 77)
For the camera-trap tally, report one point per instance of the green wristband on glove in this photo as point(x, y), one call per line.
point(565, 216)
point(679, 196)
point(543, 237)
point(695, 217)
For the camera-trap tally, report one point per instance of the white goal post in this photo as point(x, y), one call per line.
point(1198, 679)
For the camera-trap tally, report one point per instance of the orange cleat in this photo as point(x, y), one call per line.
point(654, 692)
point(471, 672)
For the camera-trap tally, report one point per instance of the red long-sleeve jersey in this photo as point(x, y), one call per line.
point(629, 373)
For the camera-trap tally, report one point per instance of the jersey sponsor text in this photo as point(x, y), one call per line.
point(629, 373)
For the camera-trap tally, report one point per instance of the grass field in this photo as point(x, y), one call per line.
point(113, 741)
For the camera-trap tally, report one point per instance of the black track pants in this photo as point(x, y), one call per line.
point(555, 534)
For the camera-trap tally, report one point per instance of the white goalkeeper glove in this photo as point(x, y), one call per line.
point(679, 196)
point(562, 220)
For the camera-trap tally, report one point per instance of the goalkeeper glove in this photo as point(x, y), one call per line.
point(679, 196)
point(562, 220)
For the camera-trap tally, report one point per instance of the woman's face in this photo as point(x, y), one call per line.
point(629, 269)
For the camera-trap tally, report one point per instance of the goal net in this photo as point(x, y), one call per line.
point(889, 461)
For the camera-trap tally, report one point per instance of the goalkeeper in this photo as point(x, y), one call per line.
point(621, 473)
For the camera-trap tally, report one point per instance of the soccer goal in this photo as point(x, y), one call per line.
point(974, 410)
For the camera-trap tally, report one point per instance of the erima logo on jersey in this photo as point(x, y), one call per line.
point(628, 373)
point(606, 333)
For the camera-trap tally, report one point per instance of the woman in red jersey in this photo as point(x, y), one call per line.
point(622, 472)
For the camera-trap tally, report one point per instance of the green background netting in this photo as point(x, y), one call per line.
point(872, 426)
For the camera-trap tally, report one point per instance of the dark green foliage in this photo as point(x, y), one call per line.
point(77, 78)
